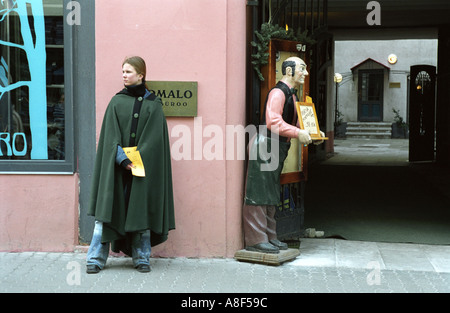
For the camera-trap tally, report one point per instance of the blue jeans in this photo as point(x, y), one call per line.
point(98, 252)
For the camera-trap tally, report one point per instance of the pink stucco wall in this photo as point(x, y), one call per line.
point(181, 40)
point(38, 212)
point(186, 40)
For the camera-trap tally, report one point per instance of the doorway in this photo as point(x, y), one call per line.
point(370, 95)
point(422, 113)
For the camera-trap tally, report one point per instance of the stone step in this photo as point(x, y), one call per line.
point(374, 135)
point(369, 123)
point(369, 130)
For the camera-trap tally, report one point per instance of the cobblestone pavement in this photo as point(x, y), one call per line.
point(316, 270)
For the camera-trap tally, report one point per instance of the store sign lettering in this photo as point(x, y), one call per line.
point(11, 150)
point(175, 94)
point(178, 98)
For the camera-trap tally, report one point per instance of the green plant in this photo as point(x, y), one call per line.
point(267, 33)
point(339, 118)
point(398, 119)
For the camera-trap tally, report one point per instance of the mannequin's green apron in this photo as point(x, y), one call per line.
point(265, 164)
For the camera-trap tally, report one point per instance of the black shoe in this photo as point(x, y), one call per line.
point(280, 245)
point(143, 268)
point(92, 269)
point(264, 247)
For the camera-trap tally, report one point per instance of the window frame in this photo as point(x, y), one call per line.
point(66, 166)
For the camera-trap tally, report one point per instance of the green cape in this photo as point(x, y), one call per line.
point(150, 204)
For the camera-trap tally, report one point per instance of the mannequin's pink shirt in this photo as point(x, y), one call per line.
point(274, 114)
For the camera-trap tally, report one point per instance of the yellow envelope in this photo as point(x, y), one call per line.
point(135, 157)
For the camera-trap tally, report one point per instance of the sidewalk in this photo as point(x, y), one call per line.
point(324, 265)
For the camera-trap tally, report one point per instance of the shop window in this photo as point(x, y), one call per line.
point(33, 104)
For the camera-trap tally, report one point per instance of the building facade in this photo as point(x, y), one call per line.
point(374, 86)
point(60, 64)
point(70, 53)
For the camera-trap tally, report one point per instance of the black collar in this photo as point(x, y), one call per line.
point(134, 91)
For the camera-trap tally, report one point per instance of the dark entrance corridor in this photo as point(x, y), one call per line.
point(387, 200)
point(370, 199)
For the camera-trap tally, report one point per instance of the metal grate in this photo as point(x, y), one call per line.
point(297, 14)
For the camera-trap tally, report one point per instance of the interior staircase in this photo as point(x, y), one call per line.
point(379, 130)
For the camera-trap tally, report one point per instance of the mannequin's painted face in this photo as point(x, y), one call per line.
point(300, 72)
point(130, 76)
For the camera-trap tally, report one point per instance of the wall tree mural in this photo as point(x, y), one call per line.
point(32, 30)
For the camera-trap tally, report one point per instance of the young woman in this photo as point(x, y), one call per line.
point(132, 213)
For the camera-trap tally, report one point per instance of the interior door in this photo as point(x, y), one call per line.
point(422, 113)
point(370, 95)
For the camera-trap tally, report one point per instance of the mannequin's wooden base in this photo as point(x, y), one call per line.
point(267, 258)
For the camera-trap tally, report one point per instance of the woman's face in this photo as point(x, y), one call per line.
point(130, 76)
